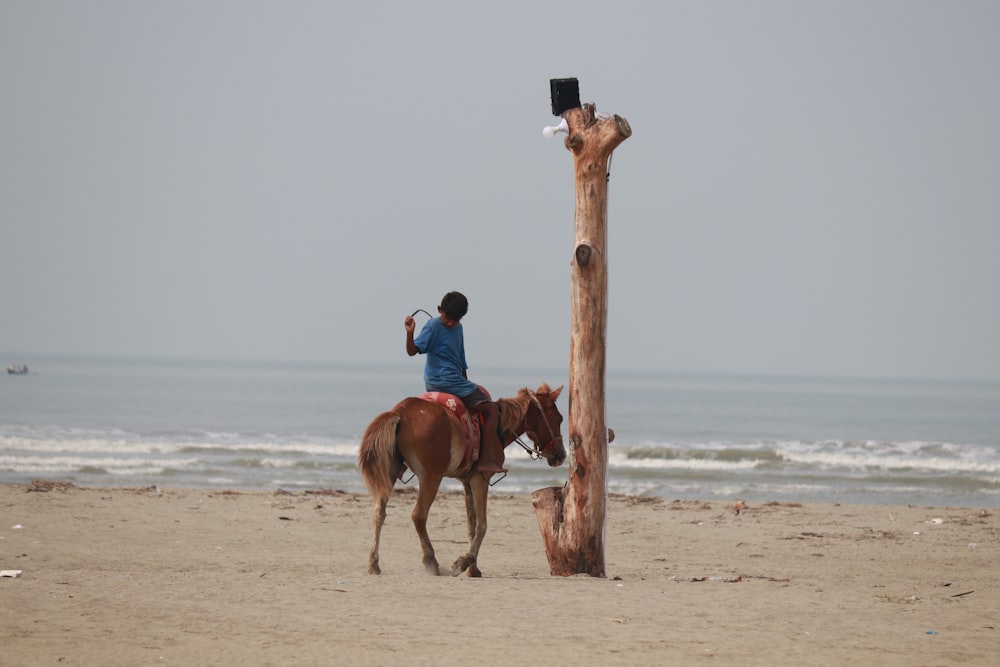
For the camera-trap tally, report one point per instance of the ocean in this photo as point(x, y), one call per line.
point(296, 426)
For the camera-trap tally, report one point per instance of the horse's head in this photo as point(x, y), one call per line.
point(543, 424)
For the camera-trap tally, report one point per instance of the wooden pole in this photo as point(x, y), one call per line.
point(572, 518)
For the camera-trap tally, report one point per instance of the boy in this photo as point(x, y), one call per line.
point(443, 342)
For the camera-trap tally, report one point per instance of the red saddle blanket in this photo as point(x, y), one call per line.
point(470, 421)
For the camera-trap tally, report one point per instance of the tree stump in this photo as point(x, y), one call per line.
point(572, 518)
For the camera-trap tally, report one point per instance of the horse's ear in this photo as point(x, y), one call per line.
point(555, 394)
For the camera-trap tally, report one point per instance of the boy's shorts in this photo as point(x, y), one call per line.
point(475, 398)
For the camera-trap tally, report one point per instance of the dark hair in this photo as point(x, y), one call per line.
point(455, 305)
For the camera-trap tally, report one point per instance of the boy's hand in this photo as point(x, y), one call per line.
point(411, 347)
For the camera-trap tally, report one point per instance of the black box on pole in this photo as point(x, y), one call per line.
point(565, 95)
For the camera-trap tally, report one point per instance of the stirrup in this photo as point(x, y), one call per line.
point(403, 472)
point(492, 481)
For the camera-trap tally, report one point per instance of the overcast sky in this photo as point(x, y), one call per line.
point(810, 187)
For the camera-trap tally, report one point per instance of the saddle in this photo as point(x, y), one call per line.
point(471, 421)
point(471, 424)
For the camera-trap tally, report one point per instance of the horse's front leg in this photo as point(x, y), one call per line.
point(425, 496)
point(476, 488)
point(470, 511)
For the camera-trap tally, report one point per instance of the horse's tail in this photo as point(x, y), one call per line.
point(378, 449)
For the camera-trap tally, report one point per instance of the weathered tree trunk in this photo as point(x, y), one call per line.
point(572, 519)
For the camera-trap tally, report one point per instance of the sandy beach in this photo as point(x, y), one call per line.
point(190, 577)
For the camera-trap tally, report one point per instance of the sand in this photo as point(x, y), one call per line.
point(195, 577)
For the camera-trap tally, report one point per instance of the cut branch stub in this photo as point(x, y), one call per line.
point(623, 127)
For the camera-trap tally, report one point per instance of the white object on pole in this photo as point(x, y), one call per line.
point(550, 132)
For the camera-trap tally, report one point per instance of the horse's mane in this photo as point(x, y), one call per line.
point(513, 410)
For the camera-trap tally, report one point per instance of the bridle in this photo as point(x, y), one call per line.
point(536, 452)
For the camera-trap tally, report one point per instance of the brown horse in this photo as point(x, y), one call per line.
point(427, 438)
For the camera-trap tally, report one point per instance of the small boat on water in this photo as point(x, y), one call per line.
point(17, 369)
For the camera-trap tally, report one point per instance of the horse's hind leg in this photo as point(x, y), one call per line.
point(377, 520)
point(425, 496)
point(476, 488)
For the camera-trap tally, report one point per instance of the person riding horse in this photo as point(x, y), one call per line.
point(443, 342)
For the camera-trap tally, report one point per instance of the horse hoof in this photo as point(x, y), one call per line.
point(459, 567)
point(474, 572)
point(374, 569)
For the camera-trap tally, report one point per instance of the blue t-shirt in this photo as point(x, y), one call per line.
point(445, 350)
